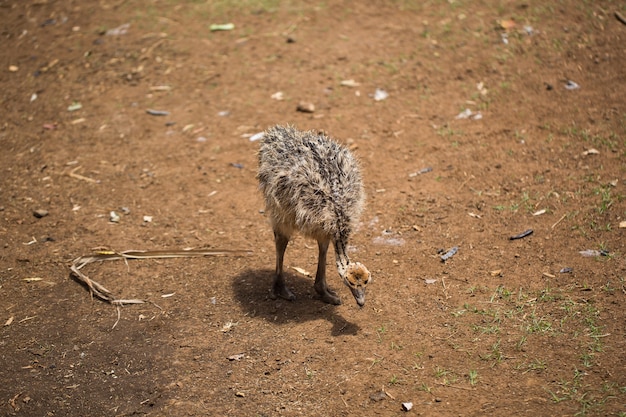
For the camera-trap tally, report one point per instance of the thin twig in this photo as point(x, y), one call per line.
point(119, 314)
point(559, 221)
point(344, 402)
point(73, 174)
point(465, 182)
point(388, 394)
point(149, 51)
point(619, 17)
point(445, 289)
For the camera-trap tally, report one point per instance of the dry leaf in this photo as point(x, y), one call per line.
point(507, 24)
point(301, 271)
point(349, 83)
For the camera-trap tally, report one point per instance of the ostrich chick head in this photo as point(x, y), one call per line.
point(357, 277)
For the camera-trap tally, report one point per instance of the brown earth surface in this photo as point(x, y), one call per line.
point(497, 329)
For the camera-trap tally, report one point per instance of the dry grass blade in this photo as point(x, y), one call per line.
point(73, 174)
point(191, 253)
point(104, 294)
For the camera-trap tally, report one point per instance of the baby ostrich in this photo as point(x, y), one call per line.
point(313, 185)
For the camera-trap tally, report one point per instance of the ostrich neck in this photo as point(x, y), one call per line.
point(341, 256)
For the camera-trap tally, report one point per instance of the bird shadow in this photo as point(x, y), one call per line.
point(251, 290)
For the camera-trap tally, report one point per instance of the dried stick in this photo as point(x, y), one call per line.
point(104, 294)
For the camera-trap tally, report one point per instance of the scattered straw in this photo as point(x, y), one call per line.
point(104, 294)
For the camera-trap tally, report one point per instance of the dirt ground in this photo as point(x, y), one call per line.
point(504, 327)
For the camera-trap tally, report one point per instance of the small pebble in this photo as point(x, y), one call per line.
point(120, 30)
point(380, 95)
point(40, 213)
point(407, 406)
point(305, 107)
point(74, 106)
point(522, 235)
point(237, 357)
point(449, 254)
point(114, 217)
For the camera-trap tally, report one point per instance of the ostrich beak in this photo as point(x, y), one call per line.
point(359, 295)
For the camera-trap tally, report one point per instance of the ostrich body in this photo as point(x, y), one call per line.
point(311, 184)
